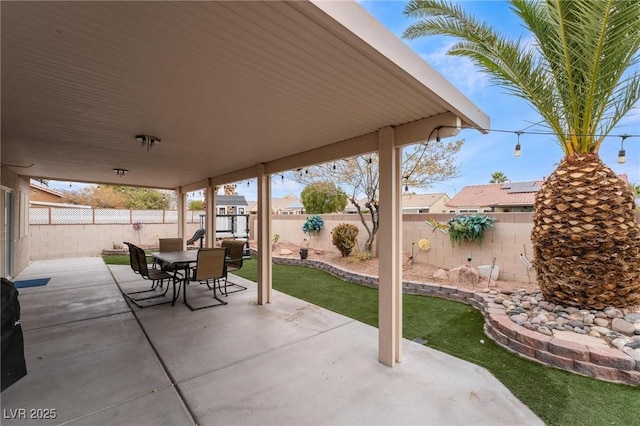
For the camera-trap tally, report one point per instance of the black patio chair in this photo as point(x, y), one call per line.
point(157, 277)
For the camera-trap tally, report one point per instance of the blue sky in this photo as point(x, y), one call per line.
point(484, 154)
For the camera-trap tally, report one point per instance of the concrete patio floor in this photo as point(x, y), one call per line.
point(96, 360)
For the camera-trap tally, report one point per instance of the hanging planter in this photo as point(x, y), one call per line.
point(313, 225)
point(469, 228)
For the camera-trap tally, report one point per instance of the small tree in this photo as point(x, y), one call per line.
point(119, 197)
point(423, 165)
point(196, 205)
point(323, 197)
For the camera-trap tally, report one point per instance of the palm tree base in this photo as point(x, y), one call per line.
point(586, 239)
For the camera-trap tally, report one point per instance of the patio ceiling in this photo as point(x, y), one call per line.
point(225, 85)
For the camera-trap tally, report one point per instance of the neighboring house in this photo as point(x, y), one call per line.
point(425, 203)
point(415, 203)
point(231, 204)
point(42, 194)
point(495, 197)
point(294, 208)
point(287, 205)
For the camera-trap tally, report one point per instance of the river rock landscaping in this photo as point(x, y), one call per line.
point(619, 328)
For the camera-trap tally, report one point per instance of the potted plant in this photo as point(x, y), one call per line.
point(312, 226)
point(304, 248)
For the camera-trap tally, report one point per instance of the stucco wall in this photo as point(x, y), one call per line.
point(59, 241)
point(510, 237)
point(20, 241)
point(289, 227)
point(505, 242)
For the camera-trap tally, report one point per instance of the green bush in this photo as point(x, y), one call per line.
point(469, 228)
point(344, 237)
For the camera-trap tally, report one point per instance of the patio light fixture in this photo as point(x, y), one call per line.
point(148, 141)
point(121, 172)
point(622, 154)
point(517, 152)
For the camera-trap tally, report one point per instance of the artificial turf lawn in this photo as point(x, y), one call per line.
point(557, 397)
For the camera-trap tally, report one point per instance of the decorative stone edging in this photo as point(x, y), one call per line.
point(604, 363)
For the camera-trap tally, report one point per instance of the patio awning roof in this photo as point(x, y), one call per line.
point(224, 85)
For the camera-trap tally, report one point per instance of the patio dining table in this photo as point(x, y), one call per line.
point(184, 260)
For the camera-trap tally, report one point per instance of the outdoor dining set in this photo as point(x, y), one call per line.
point(174, 267)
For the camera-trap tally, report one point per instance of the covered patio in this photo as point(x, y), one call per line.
point(216, 92)
point(96, 360)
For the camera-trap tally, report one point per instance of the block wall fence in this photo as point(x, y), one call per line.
point(510, 238)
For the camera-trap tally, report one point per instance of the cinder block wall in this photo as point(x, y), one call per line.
point(289, 227)
point(60, 241)
point(509, 238)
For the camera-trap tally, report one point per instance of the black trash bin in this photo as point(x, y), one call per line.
point(14, 366)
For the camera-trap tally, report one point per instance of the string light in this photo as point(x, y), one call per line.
point(516, 152)
point(522, 132)
point(622, 154)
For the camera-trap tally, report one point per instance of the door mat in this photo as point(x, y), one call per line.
point(31, 283)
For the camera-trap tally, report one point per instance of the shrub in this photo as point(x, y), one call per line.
point(344, 237)
point(313, 225)
point(469, 228)
point(362, 255)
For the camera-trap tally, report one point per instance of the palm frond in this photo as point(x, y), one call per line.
point(574, 73)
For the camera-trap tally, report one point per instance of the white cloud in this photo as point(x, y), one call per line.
point(460, 71)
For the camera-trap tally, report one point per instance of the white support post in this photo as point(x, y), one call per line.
point(264, 236)
point(389, 249)
point(182, 208)
point(210, 226)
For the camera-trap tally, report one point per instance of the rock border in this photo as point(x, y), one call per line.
point(608, 364)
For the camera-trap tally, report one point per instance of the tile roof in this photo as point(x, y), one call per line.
point(408, 201)
point(276, 203)
point(47, 189)
point(421, 200)
point(496, 194)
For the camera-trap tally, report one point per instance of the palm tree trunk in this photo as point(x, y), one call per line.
point(586, 238)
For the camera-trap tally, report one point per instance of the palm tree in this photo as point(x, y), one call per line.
point(577, 76)
point(498, 177)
